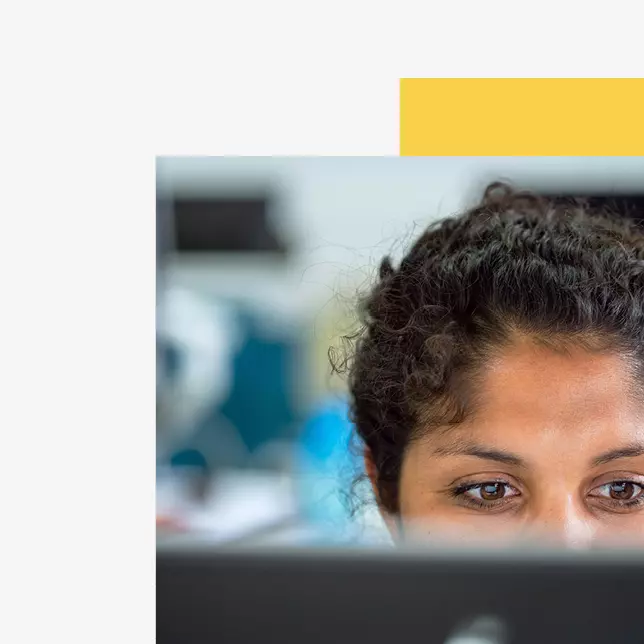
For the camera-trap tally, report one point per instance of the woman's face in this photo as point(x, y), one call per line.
point(556, 451)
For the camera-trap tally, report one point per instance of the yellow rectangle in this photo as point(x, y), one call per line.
point(521, 116)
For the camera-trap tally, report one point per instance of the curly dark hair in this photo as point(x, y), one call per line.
point(517, 263)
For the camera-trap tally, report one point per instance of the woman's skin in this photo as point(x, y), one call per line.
point(555, 451)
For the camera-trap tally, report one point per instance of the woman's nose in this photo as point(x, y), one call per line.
point(564, 522)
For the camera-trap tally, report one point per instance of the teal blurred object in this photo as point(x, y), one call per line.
point(262, 402)
point(327, 468)
point(229, 389)
point(189, 459)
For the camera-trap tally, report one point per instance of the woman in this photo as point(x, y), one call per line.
point(498, 382)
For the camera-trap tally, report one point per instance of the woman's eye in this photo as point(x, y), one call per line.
point(619, 491)
point(491, 491)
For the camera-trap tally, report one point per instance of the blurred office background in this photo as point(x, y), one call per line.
point(260, 261)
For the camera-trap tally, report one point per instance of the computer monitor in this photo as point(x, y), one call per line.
point(391, 596)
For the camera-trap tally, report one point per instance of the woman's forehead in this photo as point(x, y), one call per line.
point(533, 398)
point(532, 382)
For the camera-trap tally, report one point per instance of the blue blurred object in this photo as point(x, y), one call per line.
point(328, 430)
point(327, 467)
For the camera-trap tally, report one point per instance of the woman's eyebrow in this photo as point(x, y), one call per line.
point(628, 451)
point(471, 449)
